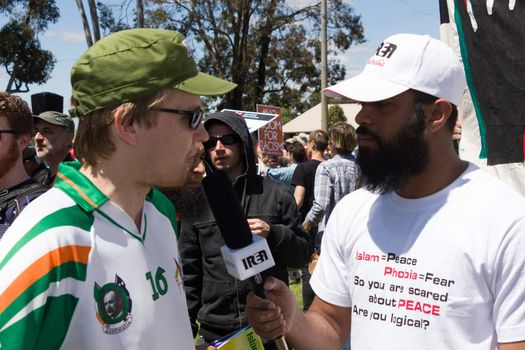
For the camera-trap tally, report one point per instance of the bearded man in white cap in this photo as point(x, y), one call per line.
point(430, 253)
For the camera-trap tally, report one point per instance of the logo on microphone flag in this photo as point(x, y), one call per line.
point(248, 261)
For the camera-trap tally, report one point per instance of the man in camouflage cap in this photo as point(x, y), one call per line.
point(103, 227)
point(54, 133)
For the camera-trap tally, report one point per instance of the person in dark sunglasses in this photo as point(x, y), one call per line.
point(215, 299)
point(194, 117)
point(101, 245)
point(226, 140)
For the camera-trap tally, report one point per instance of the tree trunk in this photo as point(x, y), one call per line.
point(240, 55)
point(264, 43)
point(94, 19)
point(87, 31)
point(10, 83)
point(140, 14)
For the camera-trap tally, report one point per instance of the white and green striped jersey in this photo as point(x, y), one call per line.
point(76, 273)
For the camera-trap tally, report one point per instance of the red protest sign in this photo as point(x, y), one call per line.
point(271, 135)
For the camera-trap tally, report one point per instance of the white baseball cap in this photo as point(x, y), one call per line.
point(402, 62)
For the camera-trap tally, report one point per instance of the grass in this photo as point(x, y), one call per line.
point(296, 289)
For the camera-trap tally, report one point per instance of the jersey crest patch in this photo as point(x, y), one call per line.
point(113, 304)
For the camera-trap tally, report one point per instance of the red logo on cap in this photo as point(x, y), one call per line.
point(375, 62)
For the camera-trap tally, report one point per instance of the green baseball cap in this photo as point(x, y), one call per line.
point(134, 63)
point(57, 118)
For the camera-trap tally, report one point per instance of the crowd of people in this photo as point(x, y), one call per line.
point(107, 239)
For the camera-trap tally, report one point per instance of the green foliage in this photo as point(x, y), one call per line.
point(107, 21)
point(20, 51)
point(270, 48)
point(336, 114)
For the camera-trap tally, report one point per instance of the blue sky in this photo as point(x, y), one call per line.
point(380, 18)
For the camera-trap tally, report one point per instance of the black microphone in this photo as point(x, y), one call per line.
point(245, 255)
point(227, 210)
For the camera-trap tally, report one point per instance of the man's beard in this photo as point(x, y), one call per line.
point(8, 161)
point(189, 201)
point(393, 163)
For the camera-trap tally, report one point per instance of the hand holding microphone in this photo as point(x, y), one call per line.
point(273, 316)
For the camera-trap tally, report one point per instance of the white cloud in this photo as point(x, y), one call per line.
point(360, 52)
point(67, 36)
point(355, 59)
point(363, 48)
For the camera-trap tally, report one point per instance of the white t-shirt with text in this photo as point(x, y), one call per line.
point(446, 271)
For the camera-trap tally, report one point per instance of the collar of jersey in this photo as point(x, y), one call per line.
point(79, 187)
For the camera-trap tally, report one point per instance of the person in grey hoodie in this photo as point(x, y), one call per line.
point(216, 299)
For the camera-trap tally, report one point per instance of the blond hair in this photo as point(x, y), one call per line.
point(93, 141)
point(343, 137)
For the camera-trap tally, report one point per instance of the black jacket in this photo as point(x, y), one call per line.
point(215, 298)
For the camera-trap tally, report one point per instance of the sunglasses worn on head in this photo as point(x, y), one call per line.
point(5, 131)
point(195, 116)
point(226, 140)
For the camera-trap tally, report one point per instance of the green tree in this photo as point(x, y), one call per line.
point(268, 47)
point(110, 17)
point(20, 51)
point(336, 114)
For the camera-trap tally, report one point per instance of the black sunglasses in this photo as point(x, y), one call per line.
point(6, 132)
point(226, 139)
point(195, 116)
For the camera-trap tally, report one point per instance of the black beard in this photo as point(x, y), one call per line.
point(393, 163)
point(189, 201)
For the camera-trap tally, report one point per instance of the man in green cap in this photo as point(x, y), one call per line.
point(54, 133)
point(103, 227)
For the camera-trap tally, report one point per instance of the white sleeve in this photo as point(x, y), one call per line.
point(330, 278)
point(509, 286)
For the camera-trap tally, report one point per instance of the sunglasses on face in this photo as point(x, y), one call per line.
point(194, 116)
point(4, 131)
point(226, 140)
